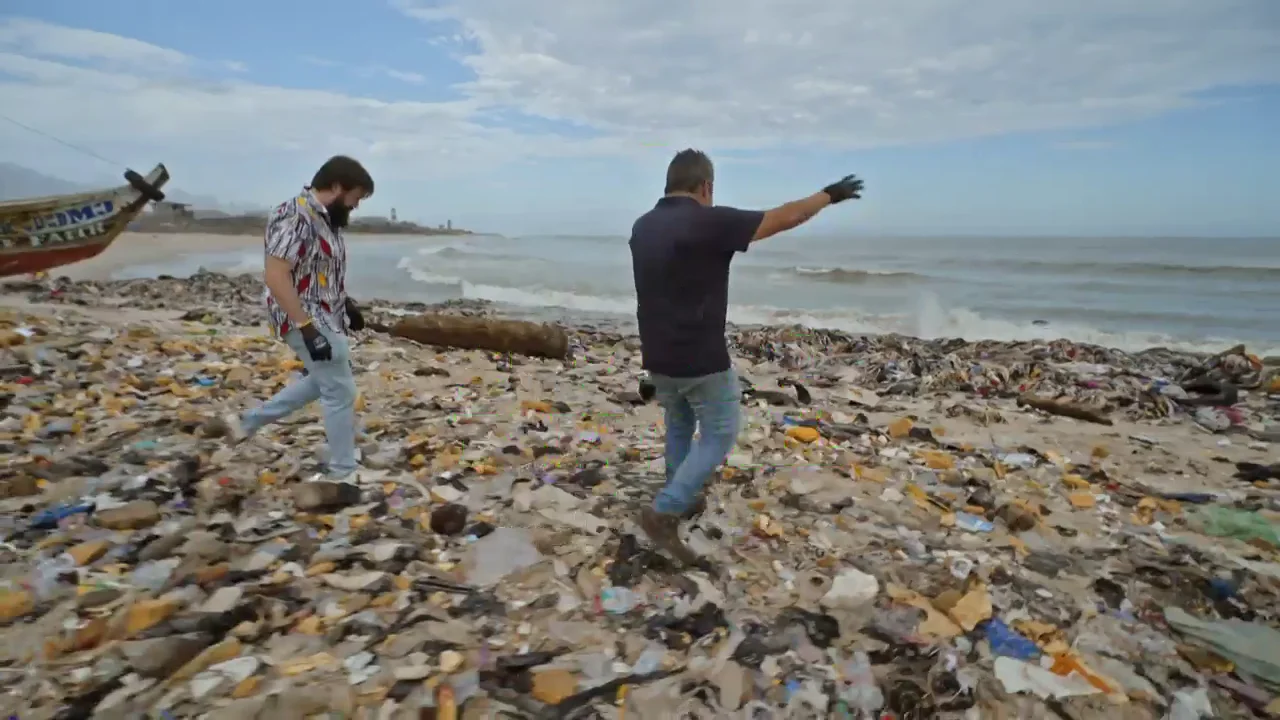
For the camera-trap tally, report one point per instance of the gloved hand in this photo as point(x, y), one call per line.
point(647, 389)
point(848, 187)
point(355, 318)
point(318, 346)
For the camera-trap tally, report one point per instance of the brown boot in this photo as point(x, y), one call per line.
point(664, 531)
point(697, 509)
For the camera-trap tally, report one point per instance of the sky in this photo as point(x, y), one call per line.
point(1088, 117)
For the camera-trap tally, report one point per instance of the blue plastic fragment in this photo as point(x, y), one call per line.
point(48, 519)
point(1008, 642)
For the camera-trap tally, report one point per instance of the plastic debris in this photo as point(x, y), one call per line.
point(895, 534)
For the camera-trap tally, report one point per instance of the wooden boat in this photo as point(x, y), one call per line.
point(38, 234)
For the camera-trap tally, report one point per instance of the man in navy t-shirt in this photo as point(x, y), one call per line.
point(680, 255)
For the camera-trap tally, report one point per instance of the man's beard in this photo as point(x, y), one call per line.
point(339, 214)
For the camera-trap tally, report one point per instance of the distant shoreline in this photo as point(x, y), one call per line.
point(253, 225)
point(353, 230)
point(158, 247)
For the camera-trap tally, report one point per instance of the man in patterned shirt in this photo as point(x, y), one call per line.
point(308, 306)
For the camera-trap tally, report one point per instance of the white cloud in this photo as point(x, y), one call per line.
point(718, 74)
point(402, 75)
point(757, 73)
point(41, 39)
point(233, 138)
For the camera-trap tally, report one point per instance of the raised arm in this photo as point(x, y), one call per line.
point(798, 212)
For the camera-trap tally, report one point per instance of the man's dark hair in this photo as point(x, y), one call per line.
point(345, 172)
point(688, 170)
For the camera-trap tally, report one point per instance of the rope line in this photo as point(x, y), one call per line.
point(60, 141)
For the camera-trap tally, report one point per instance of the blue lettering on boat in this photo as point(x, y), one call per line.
point(73, 216)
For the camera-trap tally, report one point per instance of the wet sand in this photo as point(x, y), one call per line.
point(133, 248)
point(137, 248)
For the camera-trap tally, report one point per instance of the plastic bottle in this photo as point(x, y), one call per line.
point(650, 660)
point(973, 523)
point(45, 576)
point(961, 567)
point(465, 684)
point(1018, 460)
point(619, 600)
point(861, 692)
point(153, 575)
point(341, 526)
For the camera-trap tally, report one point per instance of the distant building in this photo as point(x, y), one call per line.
point(448, 225)
point(172, 212)
point(393, 214)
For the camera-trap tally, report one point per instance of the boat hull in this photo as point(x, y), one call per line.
point(28, 263)
point(40, 234)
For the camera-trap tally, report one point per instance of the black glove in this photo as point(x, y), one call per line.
point(647, 389)
point(354, 317)
point(318, 346)
point(848, 187)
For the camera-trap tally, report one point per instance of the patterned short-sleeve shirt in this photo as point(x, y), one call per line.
point(299, 231)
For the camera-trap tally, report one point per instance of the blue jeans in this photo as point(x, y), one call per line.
point(711, 405)
point(330, 382)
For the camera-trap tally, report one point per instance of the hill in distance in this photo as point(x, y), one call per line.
point(18, 182)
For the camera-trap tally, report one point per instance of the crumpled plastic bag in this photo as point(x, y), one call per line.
point(499, 554)
point(1019, 677)
point(1243, 525)
point(1253, 647)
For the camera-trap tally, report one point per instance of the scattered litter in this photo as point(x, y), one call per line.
point(907, 528)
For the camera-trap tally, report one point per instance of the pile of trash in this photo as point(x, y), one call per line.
point(907, 529)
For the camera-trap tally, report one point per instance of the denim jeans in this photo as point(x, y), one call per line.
point(332, 383)
point(710, 404)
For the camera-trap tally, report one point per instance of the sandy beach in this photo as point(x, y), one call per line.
point(1131, 295)
point(133, 248)
point(911, 514)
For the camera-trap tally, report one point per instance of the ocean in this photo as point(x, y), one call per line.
point(1131, 293)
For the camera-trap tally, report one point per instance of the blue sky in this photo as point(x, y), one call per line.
point(1059, 118)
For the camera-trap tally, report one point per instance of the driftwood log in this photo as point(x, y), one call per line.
point(1064, 408)
point(482, 333)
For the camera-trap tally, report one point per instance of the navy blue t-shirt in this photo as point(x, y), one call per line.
point(680, 255)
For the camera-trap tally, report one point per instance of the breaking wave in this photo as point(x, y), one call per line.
point(928, 319)
point(1226, 302)
point(1129, 269)
point(852, 277)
